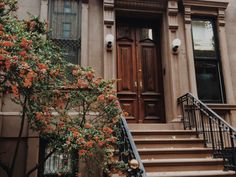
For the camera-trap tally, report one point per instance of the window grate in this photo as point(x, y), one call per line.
point(58, 164)
point(64, 27)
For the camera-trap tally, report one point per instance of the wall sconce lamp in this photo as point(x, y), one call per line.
point(176, 43)
point(109, 39)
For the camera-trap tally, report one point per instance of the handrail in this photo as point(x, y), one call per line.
point(216, 132)
point(128, 151)
point(209, 109)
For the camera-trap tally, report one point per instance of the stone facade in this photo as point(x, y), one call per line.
point(98, 19)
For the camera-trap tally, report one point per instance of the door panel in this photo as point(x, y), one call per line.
point(130, 106)
point(152, 110)
point(139, 69)
point(126, 69)
point(149, 69)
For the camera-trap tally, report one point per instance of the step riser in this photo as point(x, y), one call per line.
point(162, 136)
point(169, 145)
point(186, 167)
point(150, 127)
point(172, 156)
point(216, 175)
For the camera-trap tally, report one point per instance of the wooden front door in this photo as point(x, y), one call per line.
point(140, 88)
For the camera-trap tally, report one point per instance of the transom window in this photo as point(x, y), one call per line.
point(207, 61)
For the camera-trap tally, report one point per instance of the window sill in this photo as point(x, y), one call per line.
point(225, 107)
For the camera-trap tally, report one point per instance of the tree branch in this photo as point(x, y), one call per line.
point(19, 136)
point(39, 164)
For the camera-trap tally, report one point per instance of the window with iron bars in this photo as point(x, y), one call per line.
point(64, 23)
point(57, 164)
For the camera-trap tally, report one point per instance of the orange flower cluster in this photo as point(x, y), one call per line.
point(8, 64)
point(89, 75)
point(43, 67)
point(82, 84)
point(87, 125)
point(107, 130)
point(2, 5)
point(101, 98)
point(29, 78)
point(82, 152)
point(22, 53)
point(15, 91)
point(112, 97)
point(26, 43)
point(31, 25)
point(6, 44)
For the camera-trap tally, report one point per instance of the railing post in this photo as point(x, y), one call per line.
point(203, 127)
point(212, 135)
point(189, 119)
point(183, 112)
point(232, 138)
point(221, 140)
point(194, 115)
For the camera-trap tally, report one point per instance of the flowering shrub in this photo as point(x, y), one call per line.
point(66, 104)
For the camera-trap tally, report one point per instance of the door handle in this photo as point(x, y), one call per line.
point(141, 85)
point(135, 84)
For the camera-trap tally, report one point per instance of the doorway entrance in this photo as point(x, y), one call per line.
point(139, 70)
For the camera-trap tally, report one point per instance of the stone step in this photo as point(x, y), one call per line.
point(172, 134)
point(163, 126)
point(208, 173)
point(169, 143)
point(189, 164)
point(168, 153)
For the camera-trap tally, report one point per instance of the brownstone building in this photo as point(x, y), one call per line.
point(158, 49)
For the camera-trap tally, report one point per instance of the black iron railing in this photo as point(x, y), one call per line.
point(215, 131)
point(128, 151)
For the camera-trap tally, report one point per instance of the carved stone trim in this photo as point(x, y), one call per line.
point(221, 17)
point(207, 3)
point(108, 12)
point(205, 7)
point(187, 14)
point(172, 11)
point(149, 5)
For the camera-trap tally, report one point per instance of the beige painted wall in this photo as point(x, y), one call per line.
point(231, 39)
point(28, 6)
point(95, 36)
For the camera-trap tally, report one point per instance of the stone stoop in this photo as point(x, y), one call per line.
point(166, 152)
